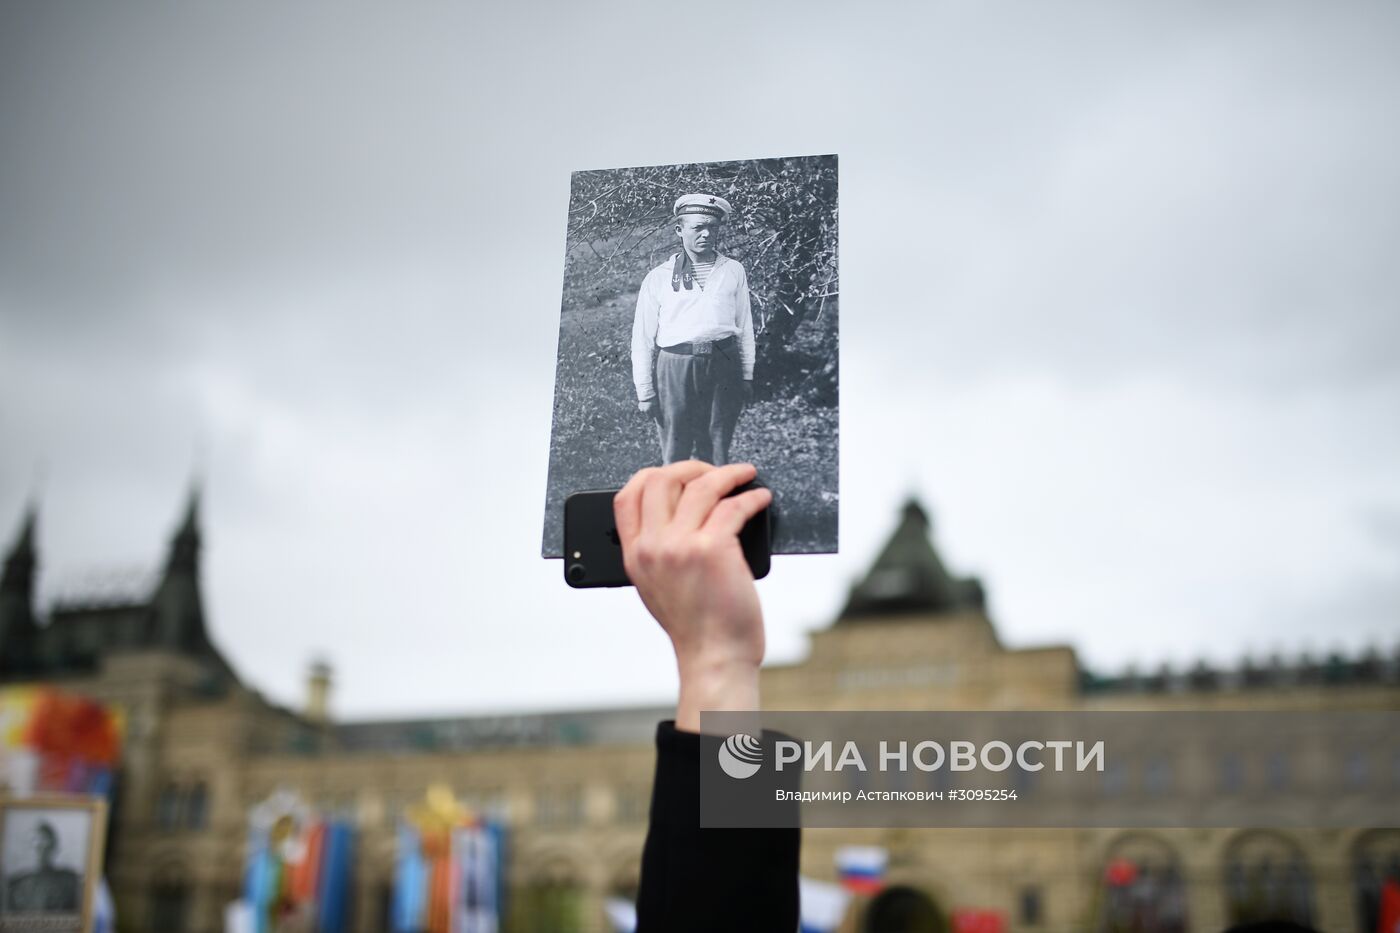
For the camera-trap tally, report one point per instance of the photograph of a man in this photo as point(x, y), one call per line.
point(50, 857)
point(48, 886)
point(699, 319)
point(693, 338)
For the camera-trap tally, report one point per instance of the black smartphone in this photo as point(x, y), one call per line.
point(593, 551)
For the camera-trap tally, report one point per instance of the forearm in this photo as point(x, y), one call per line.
point(719, 684)
point(748, 350)
point(643, 372)
point(682, 552)
point(697, 880)
point(645, 321)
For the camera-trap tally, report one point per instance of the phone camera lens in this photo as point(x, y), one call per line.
point(576, 573)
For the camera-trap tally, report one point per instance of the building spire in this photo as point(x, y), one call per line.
point(184, 546)
point(179, 614)
point(909, 577)
point(20, 562)
point(176, 607)
point(17, 628)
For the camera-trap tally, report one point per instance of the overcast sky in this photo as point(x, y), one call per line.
point(1119, 295)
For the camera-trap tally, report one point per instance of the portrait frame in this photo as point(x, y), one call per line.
point(69, 818)
point(724, 349)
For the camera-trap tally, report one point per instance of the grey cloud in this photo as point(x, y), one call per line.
point(322, 245)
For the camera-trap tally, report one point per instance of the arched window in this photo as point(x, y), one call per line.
point(1142, 890)
point(168, 807)
point(1267, 878)
point(170, 900)
point(1375, 864)
point(169, 907)
point(197, 807)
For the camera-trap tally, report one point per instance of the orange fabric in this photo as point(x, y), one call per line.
point(306, 874)
point(68, 726)
point(439, 909)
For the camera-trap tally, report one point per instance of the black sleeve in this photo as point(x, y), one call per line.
point(697, 879)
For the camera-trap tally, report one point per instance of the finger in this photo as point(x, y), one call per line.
point(627, 507)
point(662, 490)
point(700, 495)
point(730, 516)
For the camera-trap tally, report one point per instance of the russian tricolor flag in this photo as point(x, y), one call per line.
point(823, 906)
point(862, 868)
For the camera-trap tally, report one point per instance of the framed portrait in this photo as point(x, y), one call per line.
point(50, 862)
point(700, 320)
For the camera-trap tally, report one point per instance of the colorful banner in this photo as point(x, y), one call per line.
point(52, 742)
point(450, 873)
point(298, 870)
point(861, 868)
point(824, 905)
point(56, 742)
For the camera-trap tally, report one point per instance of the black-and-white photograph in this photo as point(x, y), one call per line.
point(50, 851)
point(700, 320)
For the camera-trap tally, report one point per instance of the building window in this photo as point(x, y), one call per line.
point(197, 807)
point(168, 807)
point(1280, 775)
point(1031, 910)
point(1114, 778)
point(1267, 880)
point(1142, 888)
point(1357, 768)
point(559, 806)
point(1375, 865)
point(1231, 773)
point(396, 806)
point(169, 907)
point(633, 803)
point(1157, 777)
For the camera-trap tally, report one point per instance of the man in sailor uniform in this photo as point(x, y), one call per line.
point(692, 339)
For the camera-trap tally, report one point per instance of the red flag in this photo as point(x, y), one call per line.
point(1390, 907)
point(973, 920)
point(1120, 872)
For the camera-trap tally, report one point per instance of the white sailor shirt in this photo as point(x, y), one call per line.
point(666, 317)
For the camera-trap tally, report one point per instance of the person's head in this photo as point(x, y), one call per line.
point(699, 234)
point(45, 843)
point(700, 221)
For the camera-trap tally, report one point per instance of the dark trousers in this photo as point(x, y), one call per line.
point(699, 400)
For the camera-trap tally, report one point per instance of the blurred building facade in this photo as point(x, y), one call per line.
point(203, 746)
